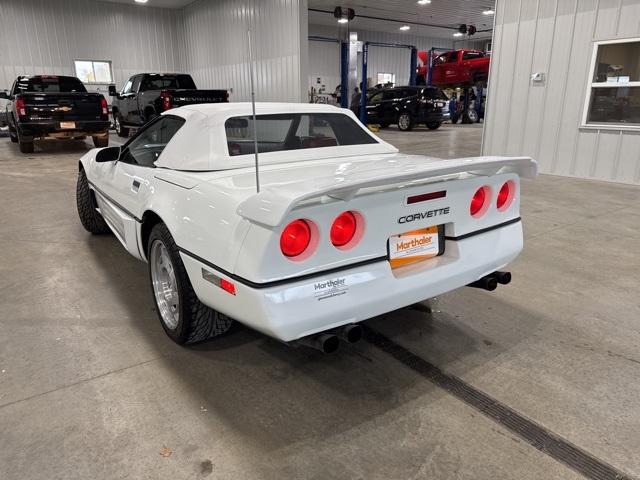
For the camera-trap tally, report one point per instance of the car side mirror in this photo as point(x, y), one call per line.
point(108, 154)
point(4, 94)
point(112, 91)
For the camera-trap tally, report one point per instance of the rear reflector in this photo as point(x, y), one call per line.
point(225, 285)
point(425, 197)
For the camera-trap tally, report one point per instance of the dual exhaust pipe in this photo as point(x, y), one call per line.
point(490, 282)
point(329, 342)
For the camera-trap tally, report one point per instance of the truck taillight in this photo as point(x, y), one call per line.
point(166, 100)
point(20, 108)
point(104, 108)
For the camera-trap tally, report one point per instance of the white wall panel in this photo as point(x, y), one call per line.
point(216, 47)
point(556, 37)
point(381, 59)
point(45, 36)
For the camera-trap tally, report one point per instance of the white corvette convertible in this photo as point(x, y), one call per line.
point(344, 227)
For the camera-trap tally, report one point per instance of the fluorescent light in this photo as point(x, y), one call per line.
point(458, 34)
point(423, 2)
point(488, 12)
point(405, 27)
point(141, 1)
point(343, 20)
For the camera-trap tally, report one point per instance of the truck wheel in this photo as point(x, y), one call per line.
point(433, 125)
point(184, 318)
point(120, 129)
point(405, 122)
point(91, 220)
point(25, 147)
point(101, 142)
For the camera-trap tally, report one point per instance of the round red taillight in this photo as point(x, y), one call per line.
point(504, 195)
point(477, 202)
point(343, 229)
point(295, 238)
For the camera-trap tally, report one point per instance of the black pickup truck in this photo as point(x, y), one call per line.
point(51, 106)
point(147, 95)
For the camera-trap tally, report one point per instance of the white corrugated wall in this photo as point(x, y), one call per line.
point(46, 36)
point(556, 37)
point(216, 46)
point(324, 59)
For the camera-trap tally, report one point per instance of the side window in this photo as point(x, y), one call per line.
point(441, 59)
point(409, 92)
point(376, 98)
point(136, 83)
point(390, 94)
point(452, 57)
point(14, 89)
point(145, 149)
point(471, 55)
point(127, 87)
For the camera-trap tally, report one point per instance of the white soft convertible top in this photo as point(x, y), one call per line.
point(201, 143)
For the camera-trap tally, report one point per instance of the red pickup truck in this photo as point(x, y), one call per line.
point(458, 67)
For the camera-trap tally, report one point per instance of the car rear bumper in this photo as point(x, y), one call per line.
point(52, 128)
point(297, 308)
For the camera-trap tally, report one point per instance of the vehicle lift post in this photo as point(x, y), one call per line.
point(365, 60)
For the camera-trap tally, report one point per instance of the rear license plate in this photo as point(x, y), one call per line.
point(67, 124)
point(416, 246)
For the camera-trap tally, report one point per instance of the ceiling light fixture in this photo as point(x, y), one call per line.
point(141, 1)
point(424, 2)
point(405, 28)
point(488, 11)
point(343, 20)
point(458, 34)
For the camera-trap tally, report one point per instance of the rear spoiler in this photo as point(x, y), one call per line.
point(272, 205)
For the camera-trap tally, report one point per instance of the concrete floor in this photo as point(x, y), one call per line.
point(90, 386)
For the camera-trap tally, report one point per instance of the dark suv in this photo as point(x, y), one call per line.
point(407, 106)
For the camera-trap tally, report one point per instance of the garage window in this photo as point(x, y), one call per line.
point(613, 95)
point(94, 71)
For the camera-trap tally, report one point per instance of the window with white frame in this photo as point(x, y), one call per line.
point(387, 79)
point(93, 71)
point(613, 96)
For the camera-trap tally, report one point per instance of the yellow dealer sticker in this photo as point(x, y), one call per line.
point(413, 246)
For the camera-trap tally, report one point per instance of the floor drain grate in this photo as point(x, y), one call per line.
point(534, 434)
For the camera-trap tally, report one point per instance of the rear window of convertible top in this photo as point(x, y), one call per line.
point(293, 131)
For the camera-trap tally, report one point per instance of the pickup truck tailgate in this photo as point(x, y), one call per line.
point(62, 106)
point(182, 97)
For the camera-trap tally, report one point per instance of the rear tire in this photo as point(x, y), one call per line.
point(101, 142)
point(405, 122)
point(433, 125)
point(121, 130)
point(91, 220)
point(184, 318)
